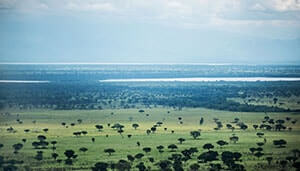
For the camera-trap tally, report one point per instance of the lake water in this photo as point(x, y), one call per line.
point(22, 81)
point(200, 79)
point(203, 79)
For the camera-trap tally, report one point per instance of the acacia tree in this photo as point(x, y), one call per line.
point(54, 156)
point(99, 127)
point(109, 151)
point(139, 155)
point(83, 149)
point(148, 131)
point(123, 165)
point(45, 130)
point(160, 148)
point(208, 146)
point(100, 166)
point(172, 147)
point(146, 149)
point(70, 154)
point(255, 126)
point(153, 129)
point(280, 143)
point(39, 155)
point(141, 166)
point(221, 143)
point(17, 147)
point(234, 138)
point(195, 134)
point(181, 140)
point(135, 125)
point(130, 158)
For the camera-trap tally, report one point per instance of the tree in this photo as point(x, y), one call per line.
point(234, 138)
point(260, 144)
point(229, 126)
point(45, 130)
point(99, 127)
point(83, 149)
point(195, 134)
point(117, 126)
point(141, 111)
point(41, 138)
point(135, 125)
point(153, 129)
point(208, 156)
point(160, 148)
point(252, 149)
point(77, 134)
point(141, 166)
point(260, 134)
point(54, 156)
point(172, 147)
point(109, 151)
point(159, 123)
point(148, 131)
point(139, 155)
point(221, 143)
point(146, 149)
point(229, 158)
point(123, 165)
point(194, 167)
point(255, 126)
point(70, 154)
point(258, 154)
point(39, 155)
point(130, 158)
point(280, 143)
point(164, 164)
point(208, 146)
point(93, 139)
point(269, 159)
point(151, 159)
point(17, 147)
point(100, 166)
point(181, 140)
point(53, 143)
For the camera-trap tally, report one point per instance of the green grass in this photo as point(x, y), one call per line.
point(66, 140)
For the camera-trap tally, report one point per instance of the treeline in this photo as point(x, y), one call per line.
point(93, 95)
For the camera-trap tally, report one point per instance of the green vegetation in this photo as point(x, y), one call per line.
point(43, 139)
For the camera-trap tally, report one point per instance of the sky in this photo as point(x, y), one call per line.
point(150, 31)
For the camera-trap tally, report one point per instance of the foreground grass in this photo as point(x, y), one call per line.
point(123, 146)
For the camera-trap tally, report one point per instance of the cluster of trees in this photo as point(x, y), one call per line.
point(230, 160)
point(93, 95)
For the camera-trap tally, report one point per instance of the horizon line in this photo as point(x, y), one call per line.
point(129, 63)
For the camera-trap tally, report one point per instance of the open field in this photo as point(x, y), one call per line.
point(124, 146)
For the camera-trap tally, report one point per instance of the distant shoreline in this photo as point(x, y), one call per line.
point(100, 63)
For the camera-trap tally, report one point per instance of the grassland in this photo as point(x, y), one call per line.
point(52, 120)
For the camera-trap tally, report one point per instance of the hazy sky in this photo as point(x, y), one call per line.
point(155, 31)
